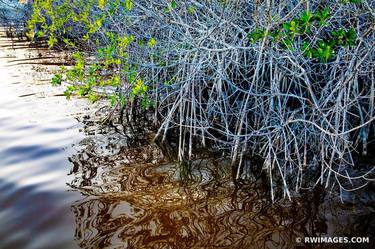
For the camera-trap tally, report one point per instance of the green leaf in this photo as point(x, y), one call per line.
point(115, 81)
point(101, 3)
point(93, 97)
point(288, 43)
point(139, 88)
point(52, 40)
point(69, 43)
point(306, 17)
point(128, 5)
point(256, 35)
point(322, 16)
point(151, 43)
point(344, 38)
point(306, 50)
point(286, 26)
point(352, 1)
point(113, 99)
point(351, 37)
point(173, 4)
point(276, 35)
point(56, 80)
point(39, 34)
point(293, 26)
point(305, 21)
point(191, 9)
point(69, 91)
point(324, 52)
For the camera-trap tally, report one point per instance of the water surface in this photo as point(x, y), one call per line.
point(37, 131)
point(134, 200)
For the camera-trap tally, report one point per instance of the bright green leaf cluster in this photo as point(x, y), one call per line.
point(257, 35)
point(56, 79)
point(352, 1)
point(300, 29)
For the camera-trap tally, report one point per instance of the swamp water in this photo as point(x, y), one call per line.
point(62, 188)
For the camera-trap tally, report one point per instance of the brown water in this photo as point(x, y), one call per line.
point(60, 188)
point(134, 200)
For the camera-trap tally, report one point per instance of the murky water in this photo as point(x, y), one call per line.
point(60, 188)
point(134, 200)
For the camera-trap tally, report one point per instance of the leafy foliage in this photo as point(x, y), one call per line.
point(56, 79)
point(300, 29)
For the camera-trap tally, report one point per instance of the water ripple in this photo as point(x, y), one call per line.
point(36, 137)
point(134, 199)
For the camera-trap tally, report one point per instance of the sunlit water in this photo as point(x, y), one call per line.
point(37, 131)
point(62, 189)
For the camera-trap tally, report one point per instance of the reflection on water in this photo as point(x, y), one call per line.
point(37, 130)
point(134, 199)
